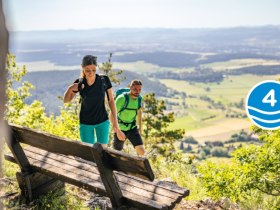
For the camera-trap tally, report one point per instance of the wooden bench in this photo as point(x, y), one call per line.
point(47, 162)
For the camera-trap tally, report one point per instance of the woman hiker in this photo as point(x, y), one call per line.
point(93, 88)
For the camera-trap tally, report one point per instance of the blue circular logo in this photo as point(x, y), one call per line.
point(263, 105)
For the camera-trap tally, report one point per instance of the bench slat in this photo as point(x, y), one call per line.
point(142, 193)
point(151, 188)
point(69, 160)
point(155, 188)
point(124, 163)
point(40, 162)
point(136, 166)
point(159, 188)
point(64, 175)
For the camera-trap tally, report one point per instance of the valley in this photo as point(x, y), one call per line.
point(203, 75)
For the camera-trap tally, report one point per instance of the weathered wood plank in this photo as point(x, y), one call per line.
point(146, 194)
point(127, 163)
point(153, 186)
point(52, 143)
point(129, 181)
point(71, 178)
point(67, 160)
point(62, 164)
point(136, 166)
point(18, 153)
point(108, 178)
point(65, 175)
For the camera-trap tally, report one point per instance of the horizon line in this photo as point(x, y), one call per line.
point(149, 28)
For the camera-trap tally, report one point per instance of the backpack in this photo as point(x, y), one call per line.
point(125, 92)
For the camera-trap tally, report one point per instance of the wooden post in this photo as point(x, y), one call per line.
point(36, 184)
point(18, 153)
point(107, 176)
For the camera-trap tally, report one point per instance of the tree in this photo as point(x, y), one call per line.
point(4, 40)
point(156, 133)
point(253, 169)
point(3, 53)
point(107, 69)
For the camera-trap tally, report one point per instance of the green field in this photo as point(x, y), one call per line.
point(231, 90)
point(142, 67)
point(206, 123)
point(240, 63)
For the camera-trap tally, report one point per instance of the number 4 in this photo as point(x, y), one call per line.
point(270, 98)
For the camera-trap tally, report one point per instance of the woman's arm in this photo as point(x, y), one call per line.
point(113, 117)
point(69, 94)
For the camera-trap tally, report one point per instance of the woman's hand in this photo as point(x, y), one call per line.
point(121, 136)
point(70, 93)
point(74, 87)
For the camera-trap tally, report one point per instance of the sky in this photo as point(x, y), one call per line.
point(26, 15)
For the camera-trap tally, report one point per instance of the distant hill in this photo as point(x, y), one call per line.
point(51, 84)
point(164, 47)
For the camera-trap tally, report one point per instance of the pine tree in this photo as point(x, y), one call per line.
point(156, 133)
point(107, 69)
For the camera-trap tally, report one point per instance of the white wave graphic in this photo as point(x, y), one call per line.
point(265, 121)
point(263, 112)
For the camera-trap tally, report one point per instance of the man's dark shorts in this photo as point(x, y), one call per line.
point(132, 135)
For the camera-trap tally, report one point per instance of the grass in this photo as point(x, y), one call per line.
point(181, 173)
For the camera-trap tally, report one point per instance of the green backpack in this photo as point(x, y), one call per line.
point(125, 92)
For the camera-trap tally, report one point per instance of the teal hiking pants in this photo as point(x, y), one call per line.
point(95, 133)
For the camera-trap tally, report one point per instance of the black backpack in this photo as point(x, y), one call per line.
point(82, 91)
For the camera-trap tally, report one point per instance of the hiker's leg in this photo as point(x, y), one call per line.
point(102, 132)
point(87, 133)
point(117, 144)
point(135, 138)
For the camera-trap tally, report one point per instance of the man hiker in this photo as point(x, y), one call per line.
point(129, 114)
